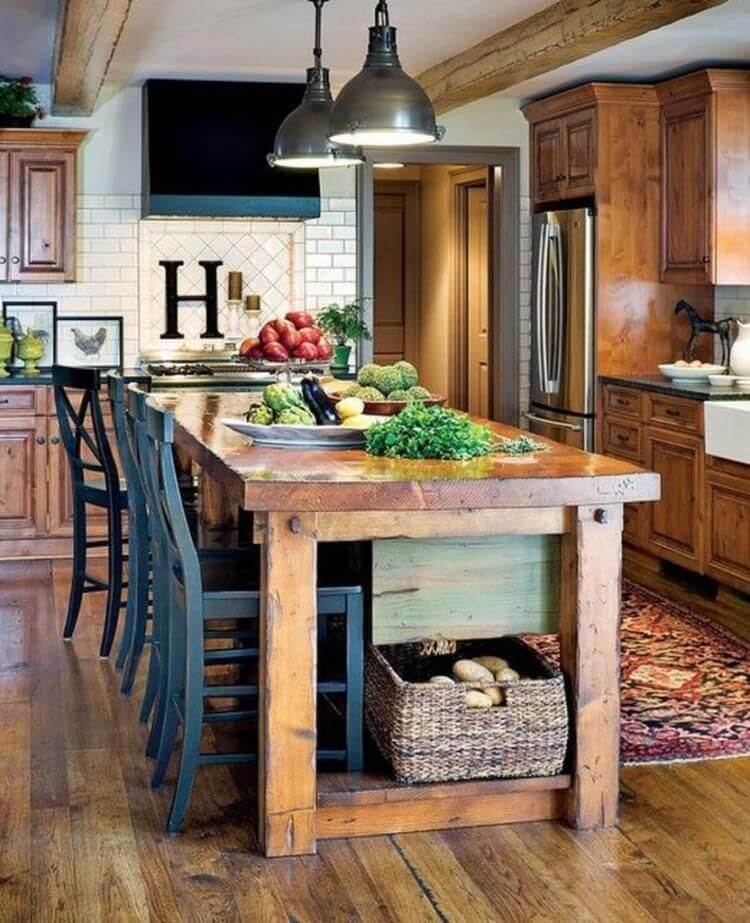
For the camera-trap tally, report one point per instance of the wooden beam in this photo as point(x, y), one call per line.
point(564, 32)
point(87, 35)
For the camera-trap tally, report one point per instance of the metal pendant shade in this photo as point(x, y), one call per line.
point(383, 106)
point(302, 141)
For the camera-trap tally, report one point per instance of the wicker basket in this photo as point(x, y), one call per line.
point(428, 734)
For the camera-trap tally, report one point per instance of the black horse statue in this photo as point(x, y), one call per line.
point(698, 324)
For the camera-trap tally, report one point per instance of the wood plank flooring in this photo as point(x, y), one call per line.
point(81, 840)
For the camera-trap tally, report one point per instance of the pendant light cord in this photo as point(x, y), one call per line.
point(318, 50)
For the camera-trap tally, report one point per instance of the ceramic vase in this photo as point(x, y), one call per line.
point(739, 358)
point(341, 354)
point(31, 350)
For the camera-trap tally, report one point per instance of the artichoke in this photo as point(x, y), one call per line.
point(370, 394)
point(398, 395)
point(352, 391)
point(388, 379)
point(282, 396)
point(367, 374)
point(260, 414)
point(409, 375)
point(296, 416)
point(418, 393)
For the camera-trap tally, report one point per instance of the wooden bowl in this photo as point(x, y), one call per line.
point(388, 408)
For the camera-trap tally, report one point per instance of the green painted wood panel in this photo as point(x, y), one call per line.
point(464, 588)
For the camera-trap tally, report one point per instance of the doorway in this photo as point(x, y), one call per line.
point(438, 270)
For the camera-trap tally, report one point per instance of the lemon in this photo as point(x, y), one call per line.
point(350, 407)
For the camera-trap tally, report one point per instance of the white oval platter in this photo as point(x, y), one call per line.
point(298, 437)
point(689, 372)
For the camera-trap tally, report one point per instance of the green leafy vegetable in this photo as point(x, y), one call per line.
point(434, 432)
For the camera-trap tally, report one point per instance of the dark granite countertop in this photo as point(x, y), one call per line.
point(700, 391)
point(16, 377)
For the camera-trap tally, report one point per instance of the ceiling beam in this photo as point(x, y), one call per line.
point(564, 32)
point(87, 35)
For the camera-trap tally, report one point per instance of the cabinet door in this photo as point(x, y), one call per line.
point(4, 212)
point(675, 523)
point(548, 160)
point(23, 477)
point(60, 490)
point(580, 154)
point(42, 216)
point(687, 191)
point(728, 530)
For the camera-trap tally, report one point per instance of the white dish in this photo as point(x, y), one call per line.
point(722, 381)
point(690, 372)
point(299, 437)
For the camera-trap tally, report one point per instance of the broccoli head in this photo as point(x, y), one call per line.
point(261, 414)
point(366, 376)
point(371, 394)
point(296, 416)
point(418, 393)
point(388, 379)
point(409, 375)
point(281, 396)
point(398, 395)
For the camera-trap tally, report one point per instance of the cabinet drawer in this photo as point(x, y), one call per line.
point(621, 437)
point(623, 401)
point(724, 466)
point(21, 400)
point(685, 415)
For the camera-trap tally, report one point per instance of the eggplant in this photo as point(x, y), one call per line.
point(318, 402)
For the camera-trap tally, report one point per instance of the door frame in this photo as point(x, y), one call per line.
point(411, 191)
point(505, 285)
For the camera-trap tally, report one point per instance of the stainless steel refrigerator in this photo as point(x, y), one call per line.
point(563, 342)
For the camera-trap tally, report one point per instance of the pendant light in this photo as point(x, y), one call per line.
point(302, 141)
point(383, 106)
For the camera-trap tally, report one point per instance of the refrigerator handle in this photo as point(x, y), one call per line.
point(540, 307)
point(556, 319)
point(533, 418)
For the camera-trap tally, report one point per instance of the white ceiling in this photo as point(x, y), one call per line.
point(27, 37)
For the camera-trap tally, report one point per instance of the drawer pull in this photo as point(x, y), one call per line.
point(55, 440)
point(15, 259)
point(4, 400)
point(40, 440)
point(621, 402)
point(3, 260)
point(672, 412)
point(622, 437)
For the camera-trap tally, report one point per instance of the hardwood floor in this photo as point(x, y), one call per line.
point(81, 840)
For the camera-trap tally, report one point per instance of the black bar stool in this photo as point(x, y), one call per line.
point(79, 414)
point(197, 609)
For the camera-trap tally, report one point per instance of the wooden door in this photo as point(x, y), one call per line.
point(397, 259)
point(23, 477)
point(42, 216)
point(675, 523)
point(687, 153)
point(580, 153)
point(547, 145)
point(727, 550)
point(477, 300)
point(4, 214)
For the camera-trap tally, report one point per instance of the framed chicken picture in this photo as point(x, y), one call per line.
point(90, 342)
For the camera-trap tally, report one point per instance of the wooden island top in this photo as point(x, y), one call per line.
point(303, 497)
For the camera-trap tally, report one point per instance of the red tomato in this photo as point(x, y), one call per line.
point(308, 351)
point(290, 338)
point(300, 319)
point(310, 334)
point(275, 352)
point(325, 350)
point(268, 334)
point(247, 346)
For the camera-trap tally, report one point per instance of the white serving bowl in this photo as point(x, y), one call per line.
point(722, 381)
point(690, 372)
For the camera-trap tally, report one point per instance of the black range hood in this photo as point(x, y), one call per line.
point(204, 151)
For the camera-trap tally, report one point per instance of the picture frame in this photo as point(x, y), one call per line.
point(92, 342)
point(40, 316)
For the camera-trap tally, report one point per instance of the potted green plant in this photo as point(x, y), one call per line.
point(345, 325)
point(19, 103)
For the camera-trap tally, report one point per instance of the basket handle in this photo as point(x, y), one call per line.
point(437, 646)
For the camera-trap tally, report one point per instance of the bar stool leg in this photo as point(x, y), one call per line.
point(131, 610)
point(191, 740)
point(354, 681)
point(165, 721)
point(114, 591)
point(79, 567)
point(138, 591)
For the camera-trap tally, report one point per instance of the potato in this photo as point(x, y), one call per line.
point(361, 421)
point(492, 692)
point(442, 681)
point(681, 364)
point(476, 699)
point(493, 664)
point(507, 675)
point(469, 672)
point(350, 407)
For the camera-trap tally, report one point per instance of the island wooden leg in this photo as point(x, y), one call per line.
point(590, 654)
point(286, 720)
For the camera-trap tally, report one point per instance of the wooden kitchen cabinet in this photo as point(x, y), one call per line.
point(23, 477)
point(727, 549)
point(705, 154)
point(37, 204)
point(563, 156)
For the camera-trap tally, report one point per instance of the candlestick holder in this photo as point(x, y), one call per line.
point(234, 333)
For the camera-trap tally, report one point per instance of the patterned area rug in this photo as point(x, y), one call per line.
point(685, 683)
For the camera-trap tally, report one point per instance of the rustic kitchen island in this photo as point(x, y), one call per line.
point(300, 498)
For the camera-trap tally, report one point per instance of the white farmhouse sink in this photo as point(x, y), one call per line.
point(728, 430)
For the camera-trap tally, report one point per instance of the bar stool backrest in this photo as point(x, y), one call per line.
point(136, 492)
point(81, 422)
